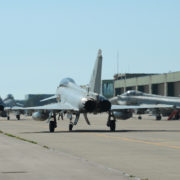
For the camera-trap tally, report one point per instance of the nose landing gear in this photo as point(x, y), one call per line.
point(70, 127)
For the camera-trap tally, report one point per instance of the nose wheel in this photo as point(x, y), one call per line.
point(158, 117)
point(158, 114)
point(69, 116)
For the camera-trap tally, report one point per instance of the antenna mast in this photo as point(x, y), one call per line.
point(117, 62)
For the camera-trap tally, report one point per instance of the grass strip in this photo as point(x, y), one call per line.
point(22, 139)
point(45, 147)
point(17, 137)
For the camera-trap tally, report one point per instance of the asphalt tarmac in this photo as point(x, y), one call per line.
point(145, 149)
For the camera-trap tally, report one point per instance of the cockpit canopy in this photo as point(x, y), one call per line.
point(64, 82)
point(133, 93)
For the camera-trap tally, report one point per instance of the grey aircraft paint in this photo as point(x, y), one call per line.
point(133, 97)
point(95, 82)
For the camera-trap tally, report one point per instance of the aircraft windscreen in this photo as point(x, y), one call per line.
point(66, 81)
point(133, 93)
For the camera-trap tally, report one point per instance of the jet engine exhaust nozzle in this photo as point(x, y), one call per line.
point(90, 105)
point(104, 105)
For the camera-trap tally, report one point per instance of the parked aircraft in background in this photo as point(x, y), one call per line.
point(1, 105)
point(9, 102)
point(133, 97)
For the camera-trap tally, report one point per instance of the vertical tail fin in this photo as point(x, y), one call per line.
point(95, 82)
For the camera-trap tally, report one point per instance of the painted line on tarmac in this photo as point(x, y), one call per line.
point(139, 141)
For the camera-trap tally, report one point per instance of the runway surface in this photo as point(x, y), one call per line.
point(146, 149)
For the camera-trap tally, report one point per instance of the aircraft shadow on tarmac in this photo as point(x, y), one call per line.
point(102, 131)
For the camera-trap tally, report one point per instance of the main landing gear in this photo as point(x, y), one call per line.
point(158, 117)
point(18, 116)
point(53, 124)
point(111, 122)
point(7, 115)
point(70, 127)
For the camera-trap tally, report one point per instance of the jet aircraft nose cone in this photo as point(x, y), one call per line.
point(89, 104)
point(105, 105)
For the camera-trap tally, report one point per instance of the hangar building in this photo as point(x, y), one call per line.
point(35, 99)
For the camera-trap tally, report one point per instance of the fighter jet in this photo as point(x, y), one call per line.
point(9, 102)
point(133, 97)
point(73, 100)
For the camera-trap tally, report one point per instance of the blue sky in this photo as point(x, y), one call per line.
point(43, 41)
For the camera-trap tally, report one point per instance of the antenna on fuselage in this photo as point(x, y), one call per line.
point(88, 89)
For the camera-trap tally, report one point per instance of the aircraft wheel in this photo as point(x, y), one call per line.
point(18, 117)
point(51, 126)
point(108, 123)
point(158, 117)
point(8, 118)
point(70, 127)
point(177, 116)
point(112, 125)
point(139, 117)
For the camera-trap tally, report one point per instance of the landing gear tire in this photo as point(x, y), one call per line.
point(177, 116)
point(112, 125)
point(52, 126)
point(70, 127)
point(111, 122)
point(108, 123)
point(139, 117)
point(8, 118)
point(158, 118)
point(18, 117)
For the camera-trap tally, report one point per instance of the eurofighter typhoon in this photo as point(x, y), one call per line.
point(74, 100)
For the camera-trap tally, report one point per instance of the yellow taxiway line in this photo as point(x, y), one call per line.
point(139, 141)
